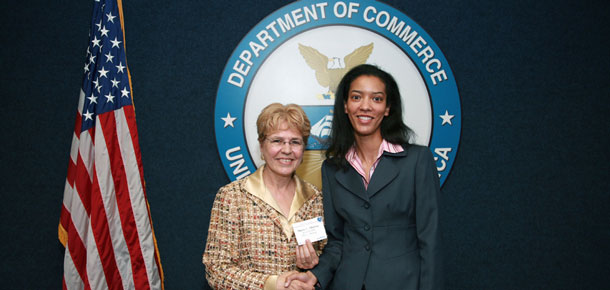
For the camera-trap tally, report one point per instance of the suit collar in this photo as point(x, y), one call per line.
point(351, 180)
point(385, 172)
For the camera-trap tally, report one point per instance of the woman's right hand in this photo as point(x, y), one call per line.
point(283, 284)
point(303, 280)
point(307, 258)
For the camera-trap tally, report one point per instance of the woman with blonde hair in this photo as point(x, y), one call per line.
point(251, 243)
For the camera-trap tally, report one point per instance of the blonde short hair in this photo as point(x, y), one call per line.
point(275, 115)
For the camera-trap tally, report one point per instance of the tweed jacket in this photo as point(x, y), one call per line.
point(247, 241)
point(386, 236)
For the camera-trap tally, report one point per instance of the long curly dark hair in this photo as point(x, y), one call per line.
point(393, 129)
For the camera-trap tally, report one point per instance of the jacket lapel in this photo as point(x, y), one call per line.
point(352, 181)
point(255, 187)
point(385, 172)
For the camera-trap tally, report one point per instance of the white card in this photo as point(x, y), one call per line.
point(311, 229)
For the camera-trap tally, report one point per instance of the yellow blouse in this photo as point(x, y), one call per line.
point(250, 242)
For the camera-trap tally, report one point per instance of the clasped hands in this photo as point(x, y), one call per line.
point(307, 258)
point(294, 280)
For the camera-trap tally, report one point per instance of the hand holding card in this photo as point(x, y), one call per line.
point(311, 229)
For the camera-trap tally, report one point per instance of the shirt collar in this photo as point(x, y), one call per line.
point(385, 146)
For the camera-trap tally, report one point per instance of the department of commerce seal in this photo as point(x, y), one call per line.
point(299, 53)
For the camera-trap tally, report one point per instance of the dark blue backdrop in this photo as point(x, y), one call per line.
point(525, 207)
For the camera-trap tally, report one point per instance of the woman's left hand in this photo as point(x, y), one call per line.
point(307, 258)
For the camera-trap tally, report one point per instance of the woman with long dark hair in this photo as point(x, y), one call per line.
point(380, 194)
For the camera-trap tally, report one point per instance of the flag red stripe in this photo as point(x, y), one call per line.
point(79, 123)
point(71, 172)
point(130, 116)
point(78, 253)
point(103, 240)
point(83, 183)
point(64, 217)
point(130, 231)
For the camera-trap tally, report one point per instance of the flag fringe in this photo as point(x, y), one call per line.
point(63, 235)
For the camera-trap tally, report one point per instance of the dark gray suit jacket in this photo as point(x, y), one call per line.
point(386, 236)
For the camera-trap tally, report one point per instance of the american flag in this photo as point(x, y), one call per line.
point(105, 222)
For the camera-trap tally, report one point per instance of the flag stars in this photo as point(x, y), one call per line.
point(103, 72)
point(106, 86)
point(95, 41)
point(125, 92)
point(110, 17)
point(109, 98)
point(88, 116)
point(115, 42)
point(92, 99)
point(109, 57)
point(120, 67)
point(97, 84)
point(446, 118)
point(104, 31)
point(115, 83)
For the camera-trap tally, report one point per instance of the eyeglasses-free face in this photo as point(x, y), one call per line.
point(366, 105)
point(282, 151)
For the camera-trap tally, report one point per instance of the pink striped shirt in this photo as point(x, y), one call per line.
point(354, 160)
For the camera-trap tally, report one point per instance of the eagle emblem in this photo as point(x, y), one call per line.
point(330, 70)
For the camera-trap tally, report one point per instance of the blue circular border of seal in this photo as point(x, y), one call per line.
point(230, 99)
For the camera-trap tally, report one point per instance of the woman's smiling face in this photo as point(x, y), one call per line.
point(283, 151)
point(366, 105)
